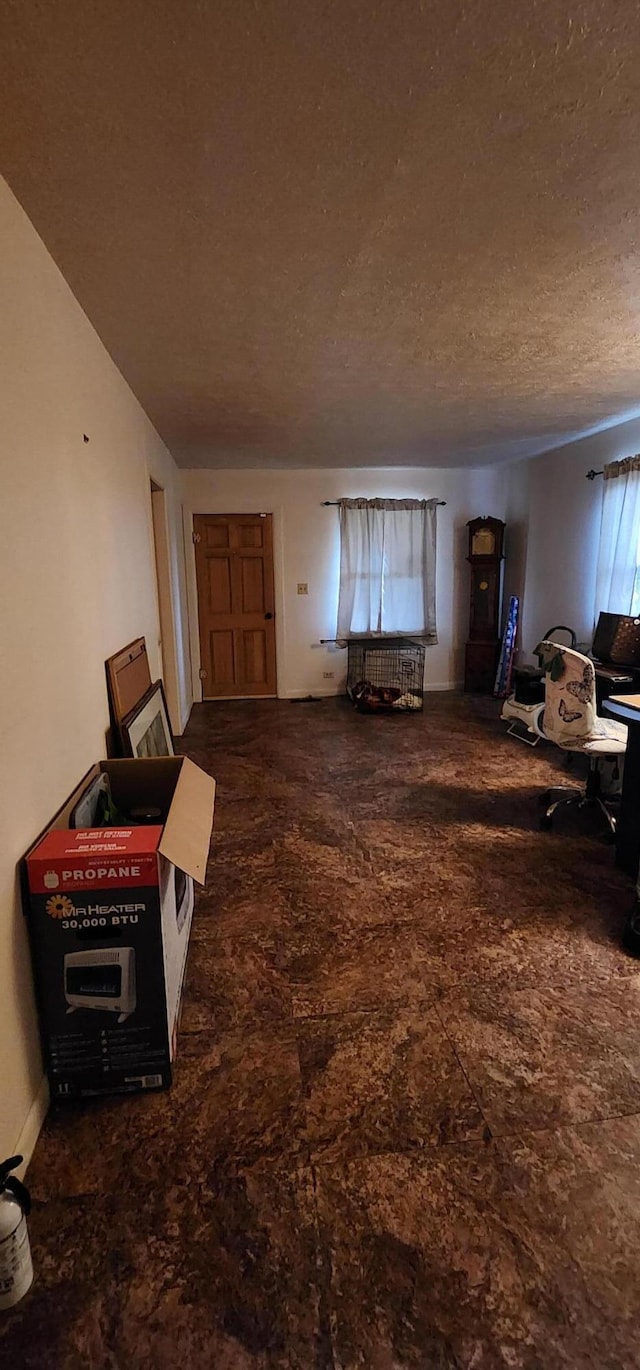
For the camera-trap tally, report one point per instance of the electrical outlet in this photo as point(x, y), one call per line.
point(327, 675)
point(303, 588)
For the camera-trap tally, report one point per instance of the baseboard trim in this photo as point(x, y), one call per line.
point(26, 1143)
point(320, 693)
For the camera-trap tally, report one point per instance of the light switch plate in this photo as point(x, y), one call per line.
point(303, 588)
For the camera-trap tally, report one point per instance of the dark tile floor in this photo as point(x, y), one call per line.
point(404, 1132)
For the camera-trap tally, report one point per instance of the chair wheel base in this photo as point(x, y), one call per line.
point(545, 822)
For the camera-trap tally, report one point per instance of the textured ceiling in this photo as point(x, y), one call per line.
point(332, 232)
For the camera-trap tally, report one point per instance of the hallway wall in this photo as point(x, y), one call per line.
point(78, 582)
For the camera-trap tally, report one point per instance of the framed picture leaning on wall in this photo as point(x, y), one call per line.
point(146, 731)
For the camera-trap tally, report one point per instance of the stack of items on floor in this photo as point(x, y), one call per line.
point(109, 897)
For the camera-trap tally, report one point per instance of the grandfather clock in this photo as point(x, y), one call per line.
point(486, 537)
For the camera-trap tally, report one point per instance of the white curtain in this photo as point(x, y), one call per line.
point(618, 577)
point(387, 568)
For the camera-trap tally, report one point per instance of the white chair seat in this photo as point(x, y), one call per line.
point(608, 738)
point(606, 731)
point(608, 746)
point(611, 740)
point(605, 748)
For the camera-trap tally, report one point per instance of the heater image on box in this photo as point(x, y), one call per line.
point(103, 979)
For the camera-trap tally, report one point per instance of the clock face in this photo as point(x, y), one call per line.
point(483, 543)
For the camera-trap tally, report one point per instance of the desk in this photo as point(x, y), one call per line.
point(613, 680)
point(628, 824)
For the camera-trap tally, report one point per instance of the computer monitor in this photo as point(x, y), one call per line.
point(617, 640)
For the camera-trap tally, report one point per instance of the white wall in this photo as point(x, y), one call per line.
point(77, 576)
point(307, 549)
point(553, 527)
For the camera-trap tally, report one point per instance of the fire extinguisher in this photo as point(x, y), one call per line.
point(16, 1270)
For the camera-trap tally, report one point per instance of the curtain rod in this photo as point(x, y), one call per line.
point(327, 502)
point(623, 464)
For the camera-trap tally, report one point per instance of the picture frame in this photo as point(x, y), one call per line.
point(128, 679)
point(146, 731)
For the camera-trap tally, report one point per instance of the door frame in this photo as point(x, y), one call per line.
point(243, 506)
point(164, 600)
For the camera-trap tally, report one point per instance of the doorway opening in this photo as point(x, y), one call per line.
point(236, 605)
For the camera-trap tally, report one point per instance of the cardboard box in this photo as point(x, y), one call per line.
point(110, 914)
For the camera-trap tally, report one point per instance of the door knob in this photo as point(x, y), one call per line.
point(268, 615)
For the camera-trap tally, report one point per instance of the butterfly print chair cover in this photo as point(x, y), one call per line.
point(570, 715)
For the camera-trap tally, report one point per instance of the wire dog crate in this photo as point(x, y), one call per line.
point(385, 674)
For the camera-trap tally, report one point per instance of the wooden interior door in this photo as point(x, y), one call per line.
point(234, 573)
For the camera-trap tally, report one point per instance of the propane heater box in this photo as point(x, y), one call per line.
point(386, 674)
point(109, 912)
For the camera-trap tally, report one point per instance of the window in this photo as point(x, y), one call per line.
point(618, 578)
point(387, 568)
